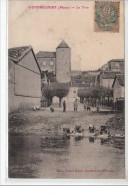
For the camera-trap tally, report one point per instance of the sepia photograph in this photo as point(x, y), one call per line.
point(66, 90)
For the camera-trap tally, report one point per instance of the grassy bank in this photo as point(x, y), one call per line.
point(116, 124)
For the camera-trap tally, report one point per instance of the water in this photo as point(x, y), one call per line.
point(56, 156)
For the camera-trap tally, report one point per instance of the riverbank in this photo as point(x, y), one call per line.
point(36, 122)
point(116, 124)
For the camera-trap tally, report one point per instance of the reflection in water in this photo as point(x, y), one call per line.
point(66, 137)
point(119, 143)
point(114, 141)
point(91, 139)
point(78, 138)
point(104, 141)
point(40, 156)
point(54, 143)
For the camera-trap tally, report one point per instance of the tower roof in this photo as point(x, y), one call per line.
point(63, 44)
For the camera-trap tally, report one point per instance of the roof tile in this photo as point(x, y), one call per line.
point(46, 54)
point(18, 52)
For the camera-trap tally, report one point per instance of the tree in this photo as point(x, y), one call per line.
point(61, 90)
point(49, 93)
point(95, 93)
point(84, 93)
point(55, 89)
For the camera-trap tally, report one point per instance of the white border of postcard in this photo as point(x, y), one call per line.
point(4, 180)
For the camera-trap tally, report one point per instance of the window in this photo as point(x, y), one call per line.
point(117, 66)
point(74, 91)
point(44, 62)
point(51, 62)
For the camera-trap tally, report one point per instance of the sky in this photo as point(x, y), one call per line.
point(45, 29)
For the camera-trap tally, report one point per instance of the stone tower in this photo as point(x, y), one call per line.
point(63, 63)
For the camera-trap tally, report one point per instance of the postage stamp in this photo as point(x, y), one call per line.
point(106, 16)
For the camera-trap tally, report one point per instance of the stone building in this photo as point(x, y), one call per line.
point(118, 87)
point(46, 60)
point(58, 63)
point(114, 65)
point(106, 79)
point(24, 79)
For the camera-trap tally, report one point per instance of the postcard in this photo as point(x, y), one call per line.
point(66, 90)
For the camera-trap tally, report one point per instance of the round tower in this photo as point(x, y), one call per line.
point(63, 63)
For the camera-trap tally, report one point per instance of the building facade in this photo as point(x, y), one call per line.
point(24, 79)
point(47, 61)
point(114, 65)
point(118, 87)
point(106, 79)
point(58, 63)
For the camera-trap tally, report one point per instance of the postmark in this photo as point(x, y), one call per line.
point(106, 16)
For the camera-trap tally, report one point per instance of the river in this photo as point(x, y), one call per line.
point(55, 156)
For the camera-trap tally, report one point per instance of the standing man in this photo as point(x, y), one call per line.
point(75, 105)
point(64, 106)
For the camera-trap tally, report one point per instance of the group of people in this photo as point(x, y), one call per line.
point(75, 104)
point(87, 108)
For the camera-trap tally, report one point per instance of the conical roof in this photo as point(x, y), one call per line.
point(63, 44)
